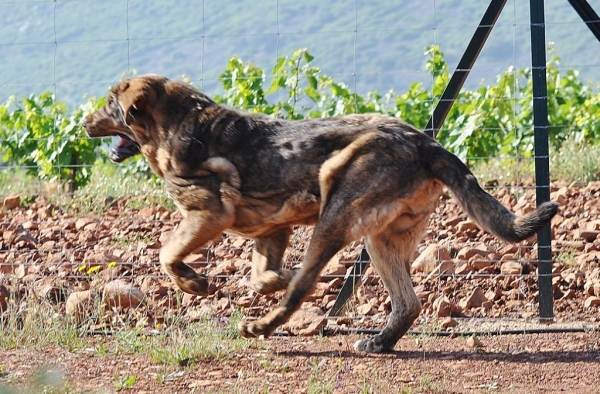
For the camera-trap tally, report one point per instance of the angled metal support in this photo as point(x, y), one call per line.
point(361, 264)
point(433, 126)
point(464, 67)
point(589, 16)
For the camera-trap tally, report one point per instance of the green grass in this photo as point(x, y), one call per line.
point(38, 324)
point(175, 347)
point(566, 256)
point(124, 382)
point(573, 162)
point(179, 345)
point(108, 183)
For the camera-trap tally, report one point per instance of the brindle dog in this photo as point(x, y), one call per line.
point(359, 176)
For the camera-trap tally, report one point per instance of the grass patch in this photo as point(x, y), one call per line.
point(318, 381)
point(202, 340)
point(107, 184)
point(179, 345)
point(566, 256)
point(573, 162)
point(124, 382)
point(576, 162)
point(37, 324)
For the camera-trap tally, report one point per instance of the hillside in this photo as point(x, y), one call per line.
point(81, 47)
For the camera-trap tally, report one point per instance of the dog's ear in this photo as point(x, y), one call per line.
point(136, 99)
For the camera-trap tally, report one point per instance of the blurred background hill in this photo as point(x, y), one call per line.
point(78, 48)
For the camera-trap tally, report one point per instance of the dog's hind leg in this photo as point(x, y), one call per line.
point(328, 238)
point(196, 229)
point(391, 256)
point(267, 274)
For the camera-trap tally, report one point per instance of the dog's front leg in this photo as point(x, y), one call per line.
point(198, 227)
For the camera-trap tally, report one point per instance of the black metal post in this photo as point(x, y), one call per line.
point(589, 16)
point(464, 67)
point(542, 167)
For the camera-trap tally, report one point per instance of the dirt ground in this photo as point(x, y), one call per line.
point(541, 363)
point(49, 254)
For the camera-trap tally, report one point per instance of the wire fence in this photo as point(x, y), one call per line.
point(54, 245)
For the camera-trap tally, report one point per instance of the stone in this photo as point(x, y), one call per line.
point(53, 292)
point(156, 288)
point(478, 264)
point(445, 268)
point(81, 223)
point(245, 301)
point(80, 304)
point(319, 292)
point(333, 269)
point(588, 235)
point(448, 323)
point(146, 213)
point(430, 258)
point(306, 322)
point(591, 302)
point(474, 342)
point(224, 268)
point(188, 299)
point(11, 201)
point(223, 304)
point(30, 225)
point(364, 294)
point(365, 309)
point(467, 226)
point(467, 253)
point(444, 308)
point(511, 268)
point(462, 269)
point(514, 304)
point(474, 300)
point(560, 196)
point(120, 293)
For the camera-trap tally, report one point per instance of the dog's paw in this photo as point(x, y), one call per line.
point(248, 329)
point(196, 284)
point(252, 329)
point(371, 345)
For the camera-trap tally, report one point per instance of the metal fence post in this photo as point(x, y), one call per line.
point(542, 167)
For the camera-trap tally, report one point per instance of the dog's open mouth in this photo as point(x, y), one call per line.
point(124, 148)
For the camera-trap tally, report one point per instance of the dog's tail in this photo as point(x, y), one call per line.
point(488, 212)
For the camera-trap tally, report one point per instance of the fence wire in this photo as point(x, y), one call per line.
point(54, 245)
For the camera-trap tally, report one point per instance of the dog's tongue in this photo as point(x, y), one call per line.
point(124, 148)
point(123, 142)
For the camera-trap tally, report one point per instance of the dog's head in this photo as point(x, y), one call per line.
point(127, 115)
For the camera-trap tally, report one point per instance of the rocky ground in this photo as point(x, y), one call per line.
point(103, 271)
point(516, 364)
